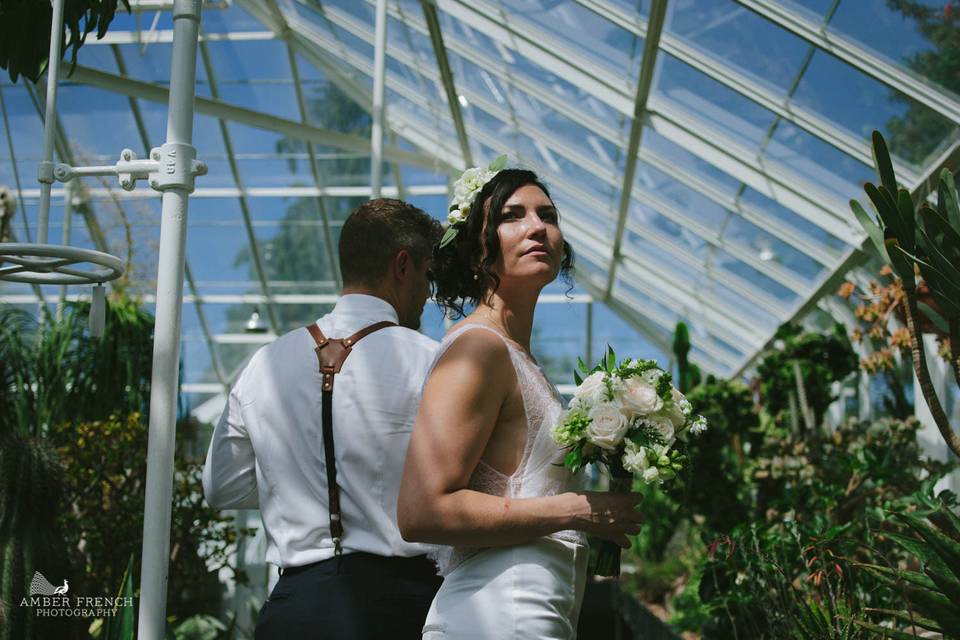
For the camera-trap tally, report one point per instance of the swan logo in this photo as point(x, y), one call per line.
point(40, 586)
point(50, 600)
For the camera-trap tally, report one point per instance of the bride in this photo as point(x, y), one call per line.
point(482, 476)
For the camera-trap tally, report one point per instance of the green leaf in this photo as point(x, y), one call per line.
point(908, 218)
point(499, 163)
point(946, 548)
point(881, 157)
point(938, 320)
point(581, 365)
point(448, 236)
point(892, 577)
point(909, 618)
point(948, 198)
point(937, 225)
point(902, 263)
point(884, 204)
point(576, 378)
point(885, 632)
point(573, 460)
point(873, 230)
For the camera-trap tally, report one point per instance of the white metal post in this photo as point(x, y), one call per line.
point(166, 345)
point(69, 189)
point(379, 72)
point(49, 120)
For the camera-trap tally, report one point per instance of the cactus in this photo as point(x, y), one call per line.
point(688, 374)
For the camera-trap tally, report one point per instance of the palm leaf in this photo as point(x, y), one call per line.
point(881, 158)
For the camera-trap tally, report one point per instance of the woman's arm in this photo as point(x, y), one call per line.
point(461, 402)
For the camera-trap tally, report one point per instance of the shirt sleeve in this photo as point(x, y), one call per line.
point(229, 475)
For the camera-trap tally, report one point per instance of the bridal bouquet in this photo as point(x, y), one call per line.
point(627, 416)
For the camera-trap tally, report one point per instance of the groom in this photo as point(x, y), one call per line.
point(315, 432)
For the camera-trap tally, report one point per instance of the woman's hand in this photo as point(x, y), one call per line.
point(611, 516)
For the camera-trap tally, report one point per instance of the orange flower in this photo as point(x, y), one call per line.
point(886, 270)
point(846, 290)
point(900, 338)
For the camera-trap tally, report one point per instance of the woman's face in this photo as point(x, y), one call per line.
point(531, 245)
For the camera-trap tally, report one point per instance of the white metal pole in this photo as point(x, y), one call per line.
point(166, 345)
point(379, 72)
point(65, 238)
point(49, 120)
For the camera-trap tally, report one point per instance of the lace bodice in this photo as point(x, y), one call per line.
point(539, 472)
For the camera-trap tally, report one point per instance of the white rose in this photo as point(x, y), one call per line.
point(470, 176)
point(635, 458)
point(650, 376)
point(639, 397)
point(651, 475)
point(453, 217)
point(591, 390)
point(663, 425)
point(607, 426)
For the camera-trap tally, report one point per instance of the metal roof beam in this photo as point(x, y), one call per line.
point(717, 69)
point(188, 272)
point(651, 46)
point(778, 273)
point(326, 53)
point(443, 64)
point(226, 111)
point(728, 156)
point(728, 324)
point(779, 183)
point(319, 206)
point(252, 241)
point(894, 76)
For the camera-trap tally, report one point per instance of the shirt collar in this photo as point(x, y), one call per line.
point(365, 307)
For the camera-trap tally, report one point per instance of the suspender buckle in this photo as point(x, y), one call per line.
point(337, 548)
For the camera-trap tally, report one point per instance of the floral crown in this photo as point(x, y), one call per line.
point(465, 189)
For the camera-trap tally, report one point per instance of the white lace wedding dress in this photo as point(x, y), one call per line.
point(533, 590)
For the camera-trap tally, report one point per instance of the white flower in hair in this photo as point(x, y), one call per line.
point(465, 189)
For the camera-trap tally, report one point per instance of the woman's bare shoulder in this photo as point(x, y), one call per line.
point(476, 345)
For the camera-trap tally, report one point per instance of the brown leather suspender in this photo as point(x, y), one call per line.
point(331, 353)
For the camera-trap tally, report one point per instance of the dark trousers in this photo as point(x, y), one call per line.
point(356, 596)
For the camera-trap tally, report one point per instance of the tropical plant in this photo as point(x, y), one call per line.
point(73, 463)
point(797, 374)
point(688, 374)
point(916, 237)
point(25, 31)
point(932, 595)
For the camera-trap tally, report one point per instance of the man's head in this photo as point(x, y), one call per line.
point(385, 250)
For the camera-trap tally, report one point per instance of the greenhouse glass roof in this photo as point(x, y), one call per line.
point(702, 152)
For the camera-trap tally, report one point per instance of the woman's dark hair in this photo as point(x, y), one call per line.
point(373, 234)
point(475, 249)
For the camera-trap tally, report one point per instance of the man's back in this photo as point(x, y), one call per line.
point(268, 451)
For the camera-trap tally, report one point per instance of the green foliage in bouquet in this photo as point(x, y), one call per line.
point(574, 427)
point(916, 237)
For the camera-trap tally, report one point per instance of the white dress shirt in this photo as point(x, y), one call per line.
point(267, 450)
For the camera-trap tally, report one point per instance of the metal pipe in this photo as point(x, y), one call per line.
point(166, 347)
point(49, 117)
point(379, 73)
point(65, 239)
